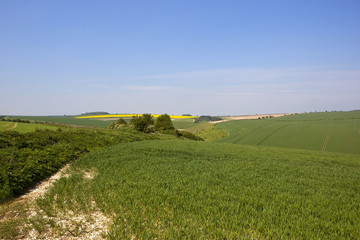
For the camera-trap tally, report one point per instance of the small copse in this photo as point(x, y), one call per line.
point(144, 123)
point(163, 123)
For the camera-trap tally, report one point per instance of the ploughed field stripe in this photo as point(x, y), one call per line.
point(326, 140)
point(292, 141)
point(269, 135)
point(245, 135)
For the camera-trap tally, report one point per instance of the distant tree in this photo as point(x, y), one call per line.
point(163, 122)
point(144, 123)
point(207, 119)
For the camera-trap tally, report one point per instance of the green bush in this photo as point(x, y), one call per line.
point(144, 123)
point(163, 122)
point(31, 157)
point(207, 119)
point(190, 136)
point(118, 124)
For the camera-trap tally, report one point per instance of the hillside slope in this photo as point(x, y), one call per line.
point(327, 132)
point(184, 189)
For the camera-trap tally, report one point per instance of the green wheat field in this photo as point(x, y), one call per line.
point(292, 177)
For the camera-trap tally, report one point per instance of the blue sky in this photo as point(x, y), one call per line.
point(198, 57)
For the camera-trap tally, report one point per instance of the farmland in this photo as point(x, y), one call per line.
point(327, 132)
point(101, 121)
point(290, 177)
point(23, 127)
point(199, 190)
point(207, 131)
point(183, 123)
point(132, 115)
point(66, 120)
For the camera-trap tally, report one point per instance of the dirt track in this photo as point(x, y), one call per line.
point(256, 116)
point(13, 126)
point(244, 117)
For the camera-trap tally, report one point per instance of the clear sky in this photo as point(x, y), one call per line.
point(190, 56)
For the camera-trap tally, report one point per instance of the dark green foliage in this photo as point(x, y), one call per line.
point(190, 136)
point(14, 120)
point(207, 119)
point(31, 157)
point(171, 132)
point(118, 124)
point(68, 121)
point(144, 123)
point(163, 122)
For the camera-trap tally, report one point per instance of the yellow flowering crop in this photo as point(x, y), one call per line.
point(132, 115)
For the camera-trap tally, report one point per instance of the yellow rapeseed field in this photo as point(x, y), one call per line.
point(132, 115)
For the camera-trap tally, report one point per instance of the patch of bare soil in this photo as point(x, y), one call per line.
point(69, 225)
point(220, 121)
point(108, 119)
point(256, 116)
point(22, 218)
point(41, 188)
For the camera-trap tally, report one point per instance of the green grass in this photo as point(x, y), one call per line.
point(23, 127)
point(4, 125)
point(322, 116)
point(207, 131)
point(330, 132)
point(66, 120)
point(183, 123)
point(198, 190)
point(26, 158)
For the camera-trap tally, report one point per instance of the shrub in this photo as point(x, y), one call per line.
point(190, 136)
point(207, 119)
point(163, 122)
point(118, 124)
point(26, 158)
point(144, 123)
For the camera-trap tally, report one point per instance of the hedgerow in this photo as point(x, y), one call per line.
point(26, 158)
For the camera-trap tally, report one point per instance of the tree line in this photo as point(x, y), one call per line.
point(145, 123)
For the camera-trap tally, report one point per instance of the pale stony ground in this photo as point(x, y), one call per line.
point(65, 225)
point(249, 117)
point(256, 116)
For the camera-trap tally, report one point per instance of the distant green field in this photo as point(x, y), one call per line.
point(199, 190)
point(328, 132)
point(23, 127)
point(207, 131)
point(66, 120)
point(183, 123)
point(6, 125)
point(322, 116)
